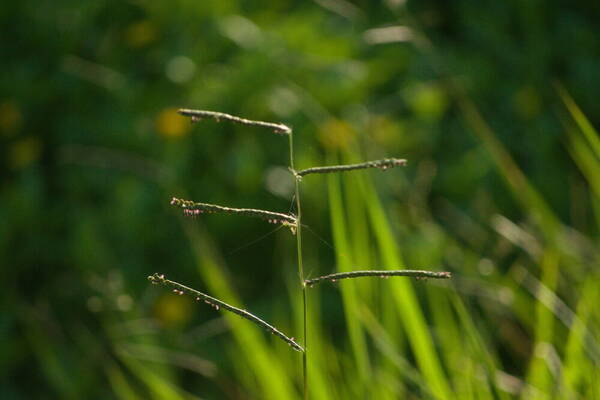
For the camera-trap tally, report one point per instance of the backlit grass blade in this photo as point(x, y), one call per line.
point(580, 119)
point(159, 387)
point(478, 348)
point(349, 292)
point(273, 380)
point(522, 189)
point(386, 346)
point(408, 308)
point(322, 351)
point(577, 365)
point(119, 384)
point(539, 374)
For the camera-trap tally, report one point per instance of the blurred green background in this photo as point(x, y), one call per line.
point(492, 103)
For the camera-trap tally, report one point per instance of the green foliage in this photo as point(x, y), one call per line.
point(501, 188)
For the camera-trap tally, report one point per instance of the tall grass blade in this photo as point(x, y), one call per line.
point(403, 294)
point(385, 344)
point(159, 387)
point(478, 348)
point(119, 384)
point(576, 364)
point(580, 119)
point(350, 297)
point(540, 373)
point(252, 349)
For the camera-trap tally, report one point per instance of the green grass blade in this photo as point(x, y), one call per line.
point(159, 387)
point(523, 191)
point(580, 119)
point(477, 345)
point(576, 364)
point(349, 292)
point(119, 384)
point(274, 381)
point(539, 374)
point(450, 332)
point(385, 344)
point(404, 298)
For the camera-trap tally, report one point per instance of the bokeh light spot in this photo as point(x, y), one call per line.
point(527, 102)
point(172, 310)
point(278, 181)
point(180, 69)
point(124, 302)
point(141, 33)
point(172, 125)
point(241, 30)
point(335, 134)
point(427, 101)
point(10, 117)
point(24, 152)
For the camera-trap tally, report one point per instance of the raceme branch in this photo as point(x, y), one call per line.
point(178, 288)
point(198, 115)
point(381, 164)
point(379, 274)
point(192, 209)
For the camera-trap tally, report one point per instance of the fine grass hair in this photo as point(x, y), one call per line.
point(195, 209)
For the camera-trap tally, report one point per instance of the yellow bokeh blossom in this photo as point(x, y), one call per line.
point(141, 33)
point(10, 117)
point(335, 134)
point(24, 152)
point(172, 125)
point(172, 310)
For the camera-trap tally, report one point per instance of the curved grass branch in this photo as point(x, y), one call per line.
point(381, 164)
point(178, 288)
point(193, 209)
point(198, 115)
point(379, 274)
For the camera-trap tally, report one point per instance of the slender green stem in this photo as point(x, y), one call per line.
point(381, 164)
point(180, 289)
point(380, 274)
point(300, 268)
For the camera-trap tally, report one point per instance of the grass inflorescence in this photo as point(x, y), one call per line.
point(194, 209)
